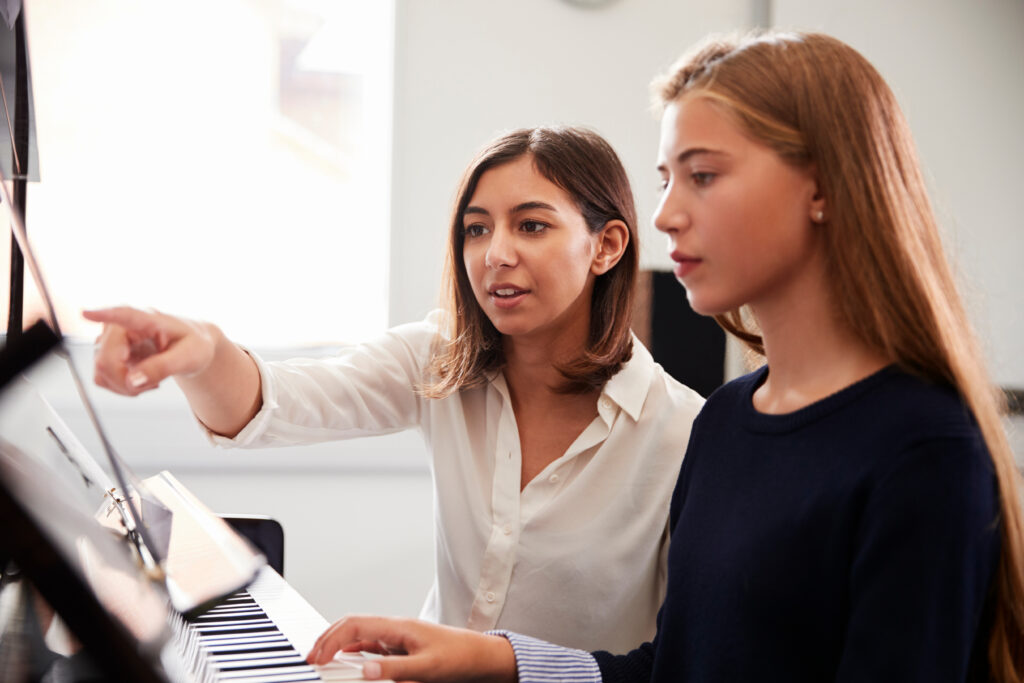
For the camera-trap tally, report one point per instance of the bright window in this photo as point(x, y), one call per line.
point(219, 159)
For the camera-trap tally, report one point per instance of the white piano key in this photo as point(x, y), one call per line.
point(254, 659)
point(286, 675)
point(340, 671)
point(271, 646)
point(236, 638)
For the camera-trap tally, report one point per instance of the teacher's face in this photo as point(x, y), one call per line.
point(528, 252)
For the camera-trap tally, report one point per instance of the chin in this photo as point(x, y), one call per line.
point(704, 305)
point(506, 325)
point(510, 326)
point(505, 329)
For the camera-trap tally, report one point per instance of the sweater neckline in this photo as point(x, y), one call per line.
point(785, 422)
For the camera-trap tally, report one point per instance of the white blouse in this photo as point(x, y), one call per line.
point(578, 557)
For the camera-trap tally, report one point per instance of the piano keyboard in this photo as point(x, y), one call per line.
point(259, 635)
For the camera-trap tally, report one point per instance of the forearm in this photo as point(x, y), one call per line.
point(227, 393)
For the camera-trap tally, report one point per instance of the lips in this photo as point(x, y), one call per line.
point(504, 290)
point(506, 295)
point(685, 264)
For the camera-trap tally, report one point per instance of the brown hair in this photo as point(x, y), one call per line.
point(583, 164)
point(815, 100)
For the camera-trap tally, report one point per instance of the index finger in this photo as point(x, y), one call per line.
point(349, 630)
point(125, 316)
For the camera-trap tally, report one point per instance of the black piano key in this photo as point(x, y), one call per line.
point(254, 649)
point(216, 638)
point(258, 664)
point(223, 645)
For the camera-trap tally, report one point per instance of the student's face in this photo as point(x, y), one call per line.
point(528, 252)
point(738, 218)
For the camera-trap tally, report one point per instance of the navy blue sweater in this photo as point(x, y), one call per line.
point(852, 540)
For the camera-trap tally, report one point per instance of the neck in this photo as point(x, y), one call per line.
point(531, 361)
point(811, 354)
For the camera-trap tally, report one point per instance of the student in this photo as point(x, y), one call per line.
point(851, 510)
point(555, 439)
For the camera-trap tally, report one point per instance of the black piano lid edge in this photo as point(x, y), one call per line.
point(21, 351)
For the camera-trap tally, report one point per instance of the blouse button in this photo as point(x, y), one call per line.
point(553, 478)
point(507, 529)
point(489, 596)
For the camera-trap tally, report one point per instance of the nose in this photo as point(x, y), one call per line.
point(501, 249)
point(671, 214)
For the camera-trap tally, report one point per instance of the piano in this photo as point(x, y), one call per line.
point(149, 585)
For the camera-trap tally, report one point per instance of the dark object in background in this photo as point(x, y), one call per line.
point(691, 347)
point(263, 532)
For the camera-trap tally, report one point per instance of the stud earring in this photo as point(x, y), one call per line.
point(819, 216)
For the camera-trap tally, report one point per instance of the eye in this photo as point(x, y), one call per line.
point(474, 230)
point(533, 227)
point(702, 178)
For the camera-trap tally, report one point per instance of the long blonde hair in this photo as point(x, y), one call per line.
point(816, 101)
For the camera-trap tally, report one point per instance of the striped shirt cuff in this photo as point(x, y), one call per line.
point(538, 661)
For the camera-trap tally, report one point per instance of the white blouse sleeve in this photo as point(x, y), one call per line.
point(365, 389)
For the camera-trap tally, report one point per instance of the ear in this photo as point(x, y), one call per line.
point(611, 245)
point(817, 207)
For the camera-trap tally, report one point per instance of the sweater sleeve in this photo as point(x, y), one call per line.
point(927, 546)
point(634, 667)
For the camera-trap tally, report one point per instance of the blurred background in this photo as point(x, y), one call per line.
point(286, 168)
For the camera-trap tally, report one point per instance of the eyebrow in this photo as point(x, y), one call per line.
point(692, 152)
point(525, 206)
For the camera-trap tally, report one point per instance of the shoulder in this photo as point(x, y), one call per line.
point(929, 467)
point(929, 424)
point(908, 413)
point(921, 405)
point(911, 439)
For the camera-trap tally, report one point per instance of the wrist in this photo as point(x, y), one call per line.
point(498, 661)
